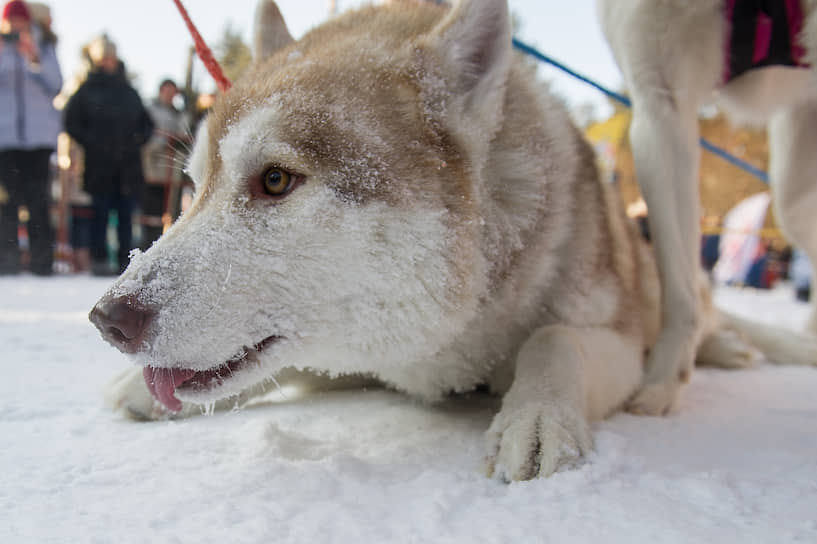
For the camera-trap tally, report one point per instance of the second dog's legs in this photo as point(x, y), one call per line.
point(664, 137)
point(793, 175)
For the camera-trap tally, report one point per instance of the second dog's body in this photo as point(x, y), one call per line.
point(672, 55)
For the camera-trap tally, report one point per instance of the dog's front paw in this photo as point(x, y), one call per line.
point(653, 400)
point(127, 393)
point(669, 367)
point(534, 441)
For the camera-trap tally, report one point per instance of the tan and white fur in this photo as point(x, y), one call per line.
point(671, 54)
point(448, 230)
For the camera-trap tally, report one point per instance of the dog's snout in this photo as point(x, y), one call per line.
point(122, 322)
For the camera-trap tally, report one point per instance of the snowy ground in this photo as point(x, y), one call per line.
point(737, 462)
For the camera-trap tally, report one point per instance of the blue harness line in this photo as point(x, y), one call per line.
point(620, 98)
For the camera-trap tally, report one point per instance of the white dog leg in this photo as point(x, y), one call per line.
point(564, 378)
point(665, 147)
point(793, 176)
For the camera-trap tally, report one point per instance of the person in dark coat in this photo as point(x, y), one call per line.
point(161, 158)
point(106, 116)
point(30, 78)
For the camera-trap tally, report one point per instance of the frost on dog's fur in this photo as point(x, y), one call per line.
point(450, 231)
point(329, 265)
point(392, 141)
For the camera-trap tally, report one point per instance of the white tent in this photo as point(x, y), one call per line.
point(740, 239)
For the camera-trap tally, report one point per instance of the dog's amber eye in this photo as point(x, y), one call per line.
point(277, 181)
point(274, 183)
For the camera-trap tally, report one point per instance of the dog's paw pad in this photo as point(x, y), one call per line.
point(535, 442)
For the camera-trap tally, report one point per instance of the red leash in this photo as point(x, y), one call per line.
point(204, 52)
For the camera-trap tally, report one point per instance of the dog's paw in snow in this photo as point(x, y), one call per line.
point(669, 368)
point(654, 400)
point(536, 440)
point(128, 394)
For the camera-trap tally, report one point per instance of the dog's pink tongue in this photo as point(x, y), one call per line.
point(162, 383)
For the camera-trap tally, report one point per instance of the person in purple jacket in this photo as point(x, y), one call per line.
point(30, 78)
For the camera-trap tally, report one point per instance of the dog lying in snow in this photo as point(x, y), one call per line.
point(394, 195)
point(672, 55)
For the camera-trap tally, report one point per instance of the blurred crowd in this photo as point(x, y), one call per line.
point(772, 261)
point(88, 171)
point(93, 160)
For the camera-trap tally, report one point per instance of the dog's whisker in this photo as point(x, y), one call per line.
point(280, 389)
point(227, 279)
point(165, 160)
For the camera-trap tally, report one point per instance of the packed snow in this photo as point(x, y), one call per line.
point(735, 462)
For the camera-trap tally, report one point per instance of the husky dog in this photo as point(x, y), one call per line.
point(395, 196)
point(673, 55)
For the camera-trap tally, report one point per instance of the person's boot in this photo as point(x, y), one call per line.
point(42, 265)
point(9, 263)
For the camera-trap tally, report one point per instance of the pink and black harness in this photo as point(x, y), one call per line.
point(762, 33)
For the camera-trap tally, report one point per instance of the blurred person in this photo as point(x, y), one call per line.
point(82, 216)
point(70, 158)
point(107, 118)
point(30, 78)
point(757, 276)
point(163, 161)
point(711, 242)
point(41, 21)
point(801, 274)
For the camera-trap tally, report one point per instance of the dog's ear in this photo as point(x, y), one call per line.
point(474, 41)
point(270, 30)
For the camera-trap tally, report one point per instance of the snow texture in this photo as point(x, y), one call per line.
point(736, 462)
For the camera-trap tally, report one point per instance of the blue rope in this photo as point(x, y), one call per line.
point(706, 144)
point(725, 155)
point(528, 50)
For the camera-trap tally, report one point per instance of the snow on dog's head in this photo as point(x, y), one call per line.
point(333, 226)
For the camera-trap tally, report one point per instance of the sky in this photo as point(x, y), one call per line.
point(153, 40)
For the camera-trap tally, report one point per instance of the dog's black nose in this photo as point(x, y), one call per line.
point(122, 322)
